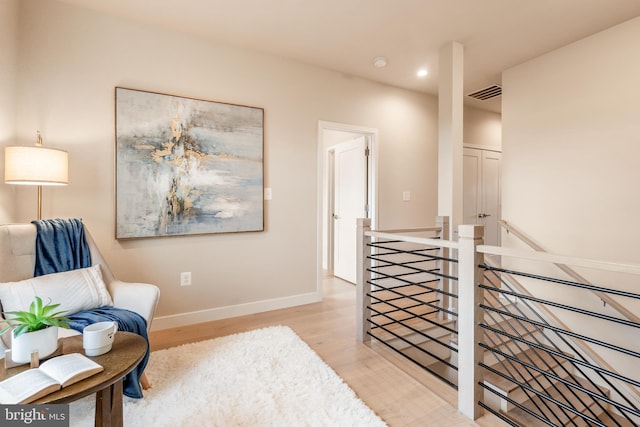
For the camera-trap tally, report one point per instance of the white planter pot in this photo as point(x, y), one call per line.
point(44, 341)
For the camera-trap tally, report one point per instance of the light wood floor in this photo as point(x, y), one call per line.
point(398, 391)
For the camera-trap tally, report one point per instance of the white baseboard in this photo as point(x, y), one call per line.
point(191, 318)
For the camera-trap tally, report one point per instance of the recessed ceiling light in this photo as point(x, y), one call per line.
point(379, 62)
point(422, 73)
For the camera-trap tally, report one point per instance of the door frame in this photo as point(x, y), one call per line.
point(324, 186)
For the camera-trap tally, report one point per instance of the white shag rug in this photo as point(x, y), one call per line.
point(265, 377)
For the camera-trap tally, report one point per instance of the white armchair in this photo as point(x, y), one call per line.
point(17, 262)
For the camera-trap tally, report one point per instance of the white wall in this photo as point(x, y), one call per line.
point(571, 145)
point(8, 63)
point(71, 59)
point(482, 129)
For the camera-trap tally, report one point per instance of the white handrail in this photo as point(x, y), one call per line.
point(435, 228)
point(561, 259)
point(562, 263)
point(412, 239)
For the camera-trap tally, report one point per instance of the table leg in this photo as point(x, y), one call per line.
point(109, 406)
point(144, 381)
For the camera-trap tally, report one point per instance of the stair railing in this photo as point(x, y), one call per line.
point(554, 321)
point(387, 271)
point(405, 297)
point(556, 408)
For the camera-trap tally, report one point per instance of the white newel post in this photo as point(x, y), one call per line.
point(363, 287)
point(469, 316)
point(444, 266)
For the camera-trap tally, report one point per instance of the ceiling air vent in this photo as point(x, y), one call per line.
point(486, 93)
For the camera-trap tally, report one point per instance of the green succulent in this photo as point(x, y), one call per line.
point(39, 316)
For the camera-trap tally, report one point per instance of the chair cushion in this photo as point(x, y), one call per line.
point(74, 290)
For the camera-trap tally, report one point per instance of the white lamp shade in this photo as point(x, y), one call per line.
point(36, 165)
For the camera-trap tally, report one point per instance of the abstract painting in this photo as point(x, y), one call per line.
point(187, 166)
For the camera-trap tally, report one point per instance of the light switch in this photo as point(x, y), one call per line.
point(406, 196)
point(268, 194)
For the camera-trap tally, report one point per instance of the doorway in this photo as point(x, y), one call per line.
point(348, 177)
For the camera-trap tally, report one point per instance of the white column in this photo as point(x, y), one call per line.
point(444, 266)
point(469, 316)
point(363, 277)
point(450, 129)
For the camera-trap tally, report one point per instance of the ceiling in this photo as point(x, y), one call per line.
point(345, 35)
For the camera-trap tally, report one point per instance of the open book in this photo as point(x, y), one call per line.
point(51, 376)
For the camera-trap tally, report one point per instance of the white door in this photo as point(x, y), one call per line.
point(481, 192)
point(471, 186)
point(350, 199)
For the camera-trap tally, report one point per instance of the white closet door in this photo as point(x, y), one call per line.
point(472, 186)
point(482, 192)
point(491, 201)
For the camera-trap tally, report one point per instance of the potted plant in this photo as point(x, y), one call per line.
point(35, 330)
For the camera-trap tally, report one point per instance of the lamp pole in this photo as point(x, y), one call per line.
point(39, 144)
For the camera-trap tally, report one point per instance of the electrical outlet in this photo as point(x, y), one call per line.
point(406, 196)
point(185, 278)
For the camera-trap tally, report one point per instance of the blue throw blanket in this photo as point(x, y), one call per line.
point(127, 321)
point(61, 245)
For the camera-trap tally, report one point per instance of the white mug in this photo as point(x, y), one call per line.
point(97, 338)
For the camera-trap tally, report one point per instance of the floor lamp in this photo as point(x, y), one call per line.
point(36, 165)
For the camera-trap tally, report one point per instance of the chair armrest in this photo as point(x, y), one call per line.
point(139, 297)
